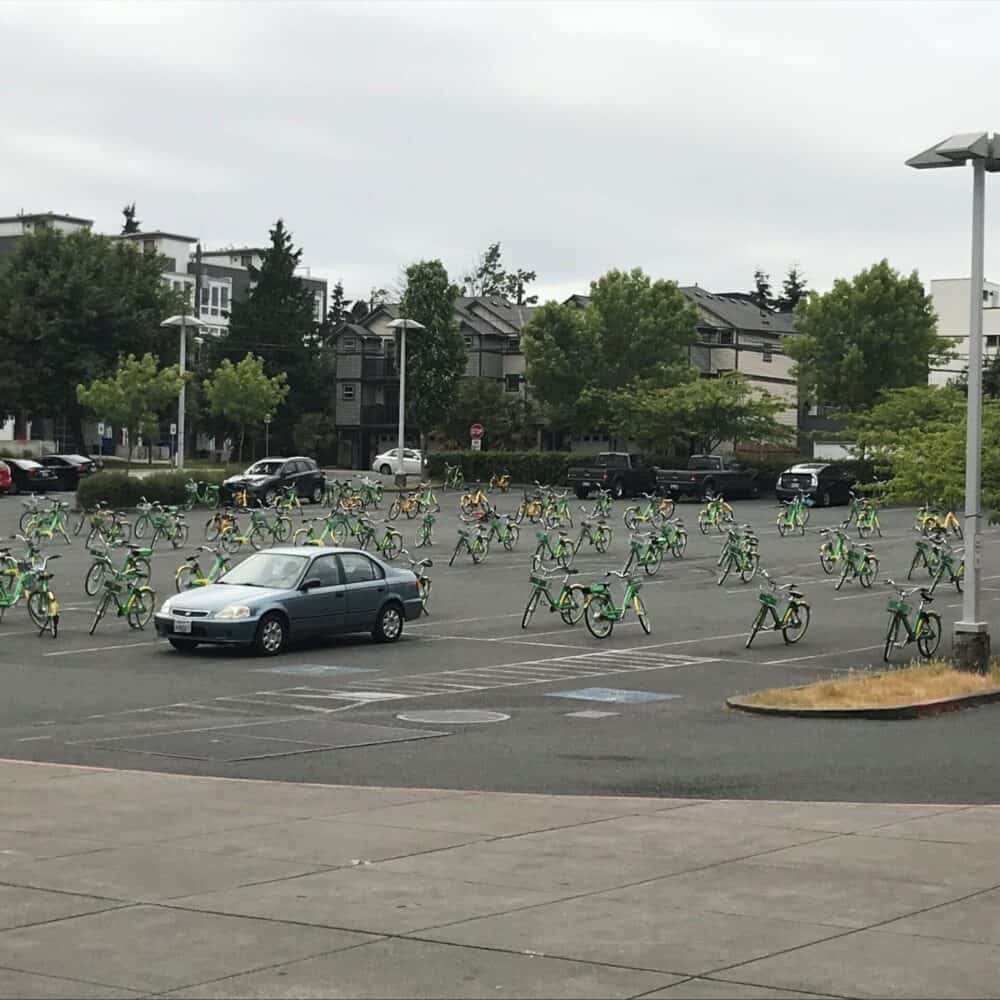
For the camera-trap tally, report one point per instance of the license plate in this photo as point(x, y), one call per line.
point(586, 484)
point(182, 628)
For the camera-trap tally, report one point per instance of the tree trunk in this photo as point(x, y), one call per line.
point(242, 435)
point(423, 456)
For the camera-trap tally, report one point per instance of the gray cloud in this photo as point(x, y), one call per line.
point(698, 141)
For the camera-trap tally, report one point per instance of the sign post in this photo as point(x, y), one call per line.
point(476, 435)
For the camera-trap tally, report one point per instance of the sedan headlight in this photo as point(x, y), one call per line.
point(165, 609)
point(234, 611)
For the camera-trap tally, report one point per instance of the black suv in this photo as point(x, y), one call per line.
point(265, 478)
point(824, 482)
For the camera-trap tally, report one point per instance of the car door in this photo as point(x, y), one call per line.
point(322, 609)
point(366, 589)
point(411, 462)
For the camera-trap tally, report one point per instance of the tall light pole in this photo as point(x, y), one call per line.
point(185, 323)
point(972, 636)
point(402, 325)
point(267, 434)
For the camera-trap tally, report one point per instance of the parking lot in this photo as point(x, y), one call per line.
point(564, 712)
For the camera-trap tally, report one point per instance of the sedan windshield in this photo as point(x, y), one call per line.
point(264, 469)
point(267, 569)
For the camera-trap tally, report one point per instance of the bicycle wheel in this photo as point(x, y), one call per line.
point(958, 576)
point(479, 550)
point(914, 563)
point(680, 544)
point(394, 509)
point(794, 623)
point(703, 522)
point(574, 604)
point(749, 570)
point(843, 573)
point(142, 570)
point(826, 559)
point(599, 616)
point(804, 515)
point(957, 529)
point(529, 608)
point(869, 571)
point(666, 508)
point(301, 537)
point(393, 545)
point(511, 536)
point(653, 561)
point(230, 542)
point(179, 536)
point(929, 634)
point(412, 509)
point(640, 611)
point(755, 628)
point(726, 566)
point(185, 578)
point(459, 545)
point(80, 521)
point(142, 527)
point(38, 609)
point(602, 538)
point(212, 528)
point(631, 518)
point(94, 579)
point(141, 608)
point(565, 553)
point(424, 590)
point(864, 529)
point(256, 538)
point(782, 523)
point(890, 637)
point(281, 530)
point(102, 606)
point(800, 520)
point(25, 521)
point(519, 513)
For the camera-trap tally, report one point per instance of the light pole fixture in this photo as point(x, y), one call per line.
point(982, 150)
point(402, 325)
point(184, 323)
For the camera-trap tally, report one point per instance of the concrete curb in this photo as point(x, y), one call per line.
point(914, 710)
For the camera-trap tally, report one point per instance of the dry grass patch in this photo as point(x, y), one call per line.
point(864, 689)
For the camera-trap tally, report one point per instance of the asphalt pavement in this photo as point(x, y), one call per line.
point(633, 715)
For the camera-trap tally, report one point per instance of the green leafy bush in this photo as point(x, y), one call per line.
point(119, 490)
point(524, 466)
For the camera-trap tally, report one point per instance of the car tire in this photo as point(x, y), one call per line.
point(385, 470)
point(826, 500)
point(617, 489)
point(317, 494)
point(272, 635)
point(389, 624)
point(269, 497)
point(183, 645)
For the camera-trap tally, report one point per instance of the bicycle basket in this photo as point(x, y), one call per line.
point(899, 606)
point(769, 599)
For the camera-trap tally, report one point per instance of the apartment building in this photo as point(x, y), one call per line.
point(950, 298)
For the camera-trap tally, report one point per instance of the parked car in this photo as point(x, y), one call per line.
point(387, 463)
point(29, 476)
point(285, 593)
point(710, 474)
point(69, 469)
point(825, 482)
point(4, 477)
point(265, 478)
point(621, 473)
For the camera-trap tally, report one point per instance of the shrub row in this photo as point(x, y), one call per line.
point(523, 466)
point(119, 490)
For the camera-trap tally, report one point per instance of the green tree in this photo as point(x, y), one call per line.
point(134, 397)
point(277, 323)
point(315, 434)
point(793, 290)
point(633, 332)
point(70, 305)
point(488, 277)
point(131, 224)
point(506, 417)
point(244, 394)
point(435, 356)
point(339, 307)
point(698, 415)
point(761, 295)
point(875, 332)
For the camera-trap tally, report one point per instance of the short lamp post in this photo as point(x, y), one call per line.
point(972, 636)
point(402, 325)
point(267, 434)
point(184, 323)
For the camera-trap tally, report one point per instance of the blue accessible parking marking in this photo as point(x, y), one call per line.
point(618, 695)
point(311, 669)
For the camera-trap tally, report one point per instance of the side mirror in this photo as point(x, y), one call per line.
point(311, 584)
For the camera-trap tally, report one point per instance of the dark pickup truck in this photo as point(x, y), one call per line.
point(621, 473)
point(709, 474)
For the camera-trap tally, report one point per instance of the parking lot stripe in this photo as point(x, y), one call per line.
point(100, 649)
point(817, 656)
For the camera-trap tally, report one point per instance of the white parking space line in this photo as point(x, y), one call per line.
point(100, 649)
point(462, 621)
point(818, 656)
point(851, 597)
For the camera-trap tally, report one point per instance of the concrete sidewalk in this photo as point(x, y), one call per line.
point(131, 883)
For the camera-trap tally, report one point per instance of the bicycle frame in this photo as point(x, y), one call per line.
point(793, 618)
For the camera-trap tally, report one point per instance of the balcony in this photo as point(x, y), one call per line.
point(378, 415)
point(380, 367)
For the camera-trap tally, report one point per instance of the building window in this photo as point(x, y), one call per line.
point(347, 390)
point(246, 259)
point(514, 344)
point(512, 382)
point(726, 337)
point(204, 299)
point(468, 343)
point(993, 341)
point(224, 299)
point(348, 343)
point(149, 246)
point(765, 353)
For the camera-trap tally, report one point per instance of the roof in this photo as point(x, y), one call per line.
point(233, 250)
point(158, 233)
point(45, 217)
point(741, 315)
point(512, 314)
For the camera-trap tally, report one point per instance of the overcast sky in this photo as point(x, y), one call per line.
point(697, 141)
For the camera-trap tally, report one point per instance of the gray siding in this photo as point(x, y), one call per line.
point(349, 410)
point(349, 365)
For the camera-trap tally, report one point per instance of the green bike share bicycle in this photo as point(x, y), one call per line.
point(791, 621)
point(925, 630)
point(570, 601)
point(602, 614)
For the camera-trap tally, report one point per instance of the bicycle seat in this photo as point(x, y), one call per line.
point(867, 547)
point(926, 595)
point(569, 571)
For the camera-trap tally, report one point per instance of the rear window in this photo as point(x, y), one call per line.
point(357, 568)
point(610, 461)
point(703, 462)
point(27, 463)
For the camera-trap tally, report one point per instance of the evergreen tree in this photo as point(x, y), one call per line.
point(277, 324)
point(761, 295)
point(131, 222)
point(793, 289)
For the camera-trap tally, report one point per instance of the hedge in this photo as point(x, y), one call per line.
point(523, 466)
point(118, 490)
